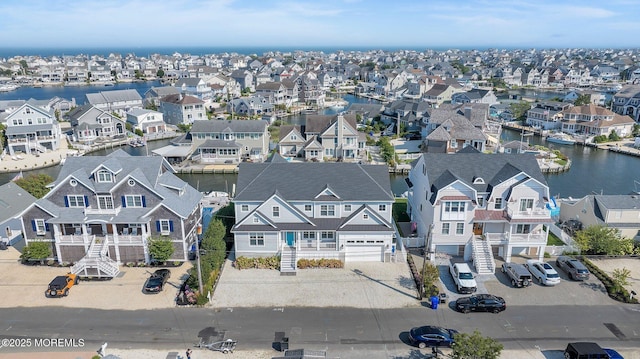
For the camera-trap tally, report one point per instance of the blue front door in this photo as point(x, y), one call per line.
point(291, 238)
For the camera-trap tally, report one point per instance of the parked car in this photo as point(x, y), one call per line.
point(574, 268)
point(517, 273)
point(584, 350)
point(463, 278)
point(543, 272)
point(60, 285)
point(613, 354)
point(429, 335)
point(156, 281)
point(481, 303)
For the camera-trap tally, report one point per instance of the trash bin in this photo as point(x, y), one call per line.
point(434, 302)
point(443, 298)
point(284, 344)
point(3, 246)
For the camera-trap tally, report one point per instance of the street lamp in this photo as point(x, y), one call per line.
point(522, 136)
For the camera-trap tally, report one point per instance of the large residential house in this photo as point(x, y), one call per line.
point(229, 141)
point(453, 127)
point(118, 101)
point(32, 129)
point(627, 102)
point(324, 137)
point(475, 96)
point(154, 94)
point(147, 121)
point(90, 123)
point(313, 210)
point(479, 206)
point(182, 109)
point(593, 120)
point(274, 92)
point(194, 86)
point(615, 211)
point(547, 115)
point(102, 211)
point(13, 200)
point(438, 94)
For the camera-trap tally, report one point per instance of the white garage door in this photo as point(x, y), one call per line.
point(364, 254)
point(453, 250)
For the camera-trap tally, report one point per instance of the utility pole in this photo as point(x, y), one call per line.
point(198, 267)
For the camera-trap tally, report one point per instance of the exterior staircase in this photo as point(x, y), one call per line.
point(96, 263)
point(483, 256)
point(288, 261)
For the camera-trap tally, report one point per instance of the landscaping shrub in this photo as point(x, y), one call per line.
point(320, 263)
point(615, 292)
point(257, 263)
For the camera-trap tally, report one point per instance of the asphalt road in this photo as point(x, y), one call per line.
point(348, 333)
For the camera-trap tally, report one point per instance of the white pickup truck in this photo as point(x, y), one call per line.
point(463, 278)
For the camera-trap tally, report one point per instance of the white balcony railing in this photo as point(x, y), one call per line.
point(73, 239)
point(126, 239)
point(515, 212)
point(516, 237)
point(90, 210)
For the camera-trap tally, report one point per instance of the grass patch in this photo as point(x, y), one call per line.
point(399, 210)
point(553, 240)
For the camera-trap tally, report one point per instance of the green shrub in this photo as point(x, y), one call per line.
point(320, 263)
point(257, 263)
point(615, 291)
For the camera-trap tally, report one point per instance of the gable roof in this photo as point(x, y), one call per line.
point(303, 181)
point(217, 126)
point(13, 200)
point(113, 96)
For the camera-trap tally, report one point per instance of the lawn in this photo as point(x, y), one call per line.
point(400, 210)
point(553, 240)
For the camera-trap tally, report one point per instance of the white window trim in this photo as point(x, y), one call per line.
point(133, 199)
point(163, 223)
point(108, 200)
point(41, 227)
point(244, 208)
point(79, 201)
point(258, 238)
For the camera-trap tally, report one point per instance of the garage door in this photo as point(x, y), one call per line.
point(364, 254)
point(453, 250)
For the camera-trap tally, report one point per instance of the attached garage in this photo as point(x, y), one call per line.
point(364, 253)
point(452, 249)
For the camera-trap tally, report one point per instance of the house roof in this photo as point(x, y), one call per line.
point(153, 172)
point(305, 181)
point(217, 126)
point(181, 99)
point(319, 123)
point(443, 169)
point(113, 96)
point(13, 200)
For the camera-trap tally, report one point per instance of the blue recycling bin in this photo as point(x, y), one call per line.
point(434, 302)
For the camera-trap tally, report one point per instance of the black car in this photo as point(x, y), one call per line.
point(431, 336)
point(481, 303)
point(156, 281)
point(585, 350)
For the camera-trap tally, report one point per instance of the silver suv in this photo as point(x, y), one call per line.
point(574, 268)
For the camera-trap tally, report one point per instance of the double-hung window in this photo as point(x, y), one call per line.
point(39, 226)
point(105, 202)
point(134, 201)
point(256, 239)
point(526, 204)
point(105, 176)
point(75, 201)
point(445, 228)
point(453, 210)
point(276, 211)
point(327, 210)
point(165, 226)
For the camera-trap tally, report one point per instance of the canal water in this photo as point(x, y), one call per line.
point(592, 170)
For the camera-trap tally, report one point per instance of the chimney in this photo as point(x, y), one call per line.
point(467, 112)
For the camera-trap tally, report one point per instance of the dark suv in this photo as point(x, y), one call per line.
point(574, 268)
point(585, 350)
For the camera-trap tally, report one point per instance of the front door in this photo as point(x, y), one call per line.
point(291, 238)
point(477, 228)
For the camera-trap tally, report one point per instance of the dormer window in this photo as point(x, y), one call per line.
point(478, 180)
point(104, 176)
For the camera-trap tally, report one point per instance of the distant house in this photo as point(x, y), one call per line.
point(546, 115)
point(154, 94)
point(181, 109)
point(274, 92)
point(194, 86)
point(314, 213)
point(147, 121)
point(438, 94)
point(13, 200)
point(595, 120)
point(615, 211)
point(331, 137)
point(32, 129)
point(118, 101)
point(90, 123)
point(474, 96)
point(102, 211)
point(229, 141)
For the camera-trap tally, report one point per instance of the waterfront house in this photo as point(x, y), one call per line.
point(115, 101)
point(32, 129)
point(313, 210)
point(479, 206)
point(474, 96)
point(627, 102)
point(291, 141)
point(452, 127)
point(244, 79)
point(438, 94)
point(592, 120)
point(254, 105)
point(337, 135)
point(147, 121)
point(90, 123)
point(181, 109)
point(546, 115)
point(154, 94)
point(102, 211)
point(13, 200)
point(615, 211)
point(274, 92)
point(229, 141)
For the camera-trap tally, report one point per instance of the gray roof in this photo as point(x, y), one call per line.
point(113, 96)
point(220, 144)
point(443, 169)
point(18, 130)
point(218, 126)
point(13, 200)
point(152, 172)
point(305, 181)
point(162, 91)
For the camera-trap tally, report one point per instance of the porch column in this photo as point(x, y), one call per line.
point(541, 253)
point(116, 238)
point(56, 241)
point(85, 237)
point(507, 254)
point(317, 238)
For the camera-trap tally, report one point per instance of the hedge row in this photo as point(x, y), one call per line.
point(320, 263)
point(257, 263)
point(617, 293)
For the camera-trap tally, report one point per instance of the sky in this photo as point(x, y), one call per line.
point(321, 23)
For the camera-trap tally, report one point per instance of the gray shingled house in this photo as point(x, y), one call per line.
point(101, 212)
point(313, 210)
